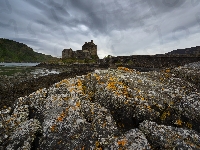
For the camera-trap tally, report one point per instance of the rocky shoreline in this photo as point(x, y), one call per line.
point(108, 109)
point(22, 84)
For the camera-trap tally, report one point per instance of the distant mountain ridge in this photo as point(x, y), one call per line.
point(187, 51)
point(12, 51)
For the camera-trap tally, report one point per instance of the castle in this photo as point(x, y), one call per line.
point(89, 50)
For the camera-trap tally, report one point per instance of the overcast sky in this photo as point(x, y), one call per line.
point(128, 27)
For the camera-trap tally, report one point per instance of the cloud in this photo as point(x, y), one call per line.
point(117, 27)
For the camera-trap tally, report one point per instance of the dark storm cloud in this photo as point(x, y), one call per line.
point(117, 27)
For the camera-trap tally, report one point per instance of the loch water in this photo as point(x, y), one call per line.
point(18, 64)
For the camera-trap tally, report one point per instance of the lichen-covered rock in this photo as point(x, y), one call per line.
point(167, 137)
point(132, 139)
point(24, 135)
point(189, 72)
point(106, 109)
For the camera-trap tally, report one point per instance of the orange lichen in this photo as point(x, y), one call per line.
point(53, 127)
point(60, 118)
point(65, 98)
point(117, 86)
point(111, 85)
point(72, 89)
point(97, 78)
point(166, 75)
point(189, 125)
point(148, 107)
point(167, 70)
point(122, 142)
point(126, 102)
point(125, 69)
point(161, 79)
point(142, 98)
point(178, 122)
point(79, 83)
point(78, 104)
point(164, 115)
point(97, 144)
point(57, 85)
point(65, 81)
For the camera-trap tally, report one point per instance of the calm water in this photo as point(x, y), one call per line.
point(11, 69)
point(18, 64)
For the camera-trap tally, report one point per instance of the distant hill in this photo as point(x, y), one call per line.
point(12, 51)
point(189, 51)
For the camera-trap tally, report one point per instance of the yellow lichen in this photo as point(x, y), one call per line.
point(65, 98)
point(122, 142)
point(97, 144)
point(60, 117)
point(79, 83)
point(167, 70)
point(78, 104)
point(164, 115)
point(142, 98)
point(125, 69)
point(148, 107)
point(53, 128)
point(57, 85)
point(189, 125)
point(178, 122)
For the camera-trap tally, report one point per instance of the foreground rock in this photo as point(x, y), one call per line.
point(106, 109)
point(167, 137)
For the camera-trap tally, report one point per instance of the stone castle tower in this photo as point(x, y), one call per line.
point(89, 49)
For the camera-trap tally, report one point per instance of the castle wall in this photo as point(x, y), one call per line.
point(88, 49)
point(91, 47)
point(67, 53)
